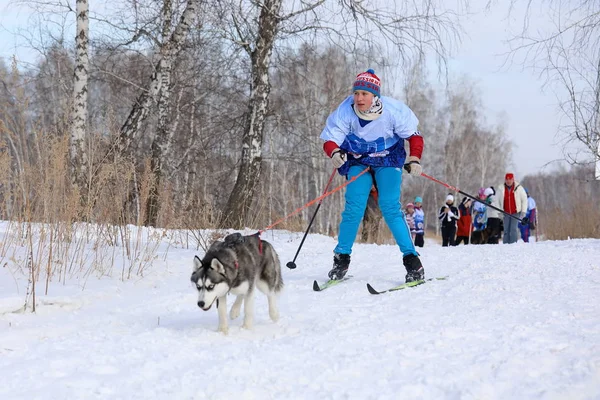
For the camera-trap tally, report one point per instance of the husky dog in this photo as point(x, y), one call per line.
point(238, 264)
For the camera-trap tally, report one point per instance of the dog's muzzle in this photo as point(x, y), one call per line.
point(202, 305)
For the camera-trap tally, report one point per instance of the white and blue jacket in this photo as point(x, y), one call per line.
point(379, 142)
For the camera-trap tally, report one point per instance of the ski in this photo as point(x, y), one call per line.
point(404, 285)
point(332, 282)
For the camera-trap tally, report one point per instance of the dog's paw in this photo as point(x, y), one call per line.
point(223, 329)
point(247, 325)
point(274, 314)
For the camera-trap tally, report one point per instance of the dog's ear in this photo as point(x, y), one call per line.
point(197, 263)
point(217, 266)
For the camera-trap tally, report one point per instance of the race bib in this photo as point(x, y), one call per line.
point(379, 154)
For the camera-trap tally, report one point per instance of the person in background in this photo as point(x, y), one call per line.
point(513, 200)
point(531, 218)
point(480, 218)
point(494, 223)
point(464, 224)
point(364, 138)
point(419, 238)
point(448, 217)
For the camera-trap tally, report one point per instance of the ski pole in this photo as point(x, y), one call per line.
point(292, 264)
point(521, 220)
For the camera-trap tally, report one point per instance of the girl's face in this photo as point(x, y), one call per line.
point(363, 100)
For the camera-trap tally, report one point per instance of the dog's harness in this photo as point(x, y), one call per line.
point(259, 242)
point(237, 238)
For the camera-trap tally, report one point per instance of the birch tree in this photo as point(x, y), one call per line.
point(80, 96)
point(162, 139)
point(249, 173)
point(167, 51)
point(158, 94)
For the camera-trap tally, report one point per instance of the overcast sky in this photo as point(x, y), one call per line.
point(511, 91)
point(511, 94)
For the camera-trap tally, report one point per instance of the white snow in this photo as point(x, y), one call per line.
point(518, 321)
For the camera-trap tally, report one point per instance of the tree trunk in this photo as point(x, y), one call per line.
point(161, 143)
point(238, 205)
point(146, 99)
point(159, 92)
point(78, 153)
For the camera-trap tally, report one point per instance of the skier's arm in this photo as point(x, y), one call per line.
point(416, 145)
point(413, 162)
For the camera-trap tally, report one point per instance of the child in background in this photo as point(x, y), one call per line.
point(494, 222)
point(479, 218)
point(448, 217)
point(419, 238)
point(463, 228)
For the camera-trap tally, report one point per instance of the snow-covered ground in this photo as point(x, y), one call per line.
point(517, 321)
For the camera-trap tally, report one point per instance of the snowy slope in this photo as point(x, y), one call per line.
point(517, 321)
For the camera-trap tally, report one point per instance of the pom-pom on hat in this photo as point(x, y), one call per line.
point(368, 82)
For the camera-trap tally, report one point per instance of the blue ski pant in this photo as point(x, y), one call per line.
point(389, 182)
point(511, 229)
point(524, 232)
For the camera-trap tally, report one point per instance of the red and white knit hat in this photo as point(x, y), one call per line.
point(368, 81)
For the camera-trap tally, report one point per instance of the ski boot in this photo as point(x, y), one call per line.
point(414, 268)
point(341, 262)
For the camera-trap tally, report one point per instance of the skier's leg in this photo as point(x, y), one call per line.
point(389, 181)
